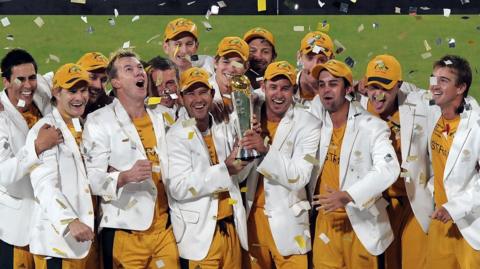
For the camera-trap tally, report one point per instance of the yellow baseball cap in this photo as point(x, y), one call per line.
point(281, 68)
point(261, 33)
point(383, 70)
point(233, 44)
point(194, 75)
point(178, 26)
point(336, 68)
point(319, 39)
point(92, 61)
point(68, 75)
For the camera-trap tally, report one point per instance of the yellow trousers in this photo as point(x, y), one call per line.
point(447, 249)
point(409, 247)
point(15, 257)
point(92, 260)
point(336, 246)
point(263, 252)
point(137, 250)
point(225, 251)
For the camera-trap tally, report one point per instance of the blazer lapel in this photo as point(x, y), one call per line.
point(351, 131)
point(284, 128)
point(128, 128)
point(406, 128)
point(458, 141)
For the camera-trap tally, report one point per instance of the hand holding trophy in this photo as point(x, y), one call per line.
point(242, 103)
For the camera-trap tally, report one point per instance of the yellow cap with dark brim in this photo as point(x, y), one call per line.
point(281, 68)
point(233, 44)
point(68, 75)
point(259, 32)
point(194, 75)
point(383, 70)
point(93, 61)
point(334, 67)
point(319, 39)
point(178, 26)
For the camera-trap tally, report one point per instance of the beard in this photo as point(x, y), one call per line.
point(258, 66)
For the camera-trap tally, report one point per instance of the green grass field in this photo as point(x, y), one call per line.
point(402, 36)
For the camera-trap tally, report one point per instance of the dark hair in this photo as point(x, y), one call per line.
point(163, 64)
point(461, 68)
point(112, 71)
point(274, 52)
point(13, 58)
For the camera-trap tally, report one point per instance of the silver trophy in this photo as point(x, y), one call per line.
point(242, 103)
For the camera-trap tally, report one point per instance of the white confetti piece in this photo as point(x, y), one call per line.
point(21, 103)
point(448, 62)
point(76, 125)
point(160, 264)
point(221, 4)
point(156, 169)
point(446, 12)
point(10, 37)
point(39, 21)
point(299, 28)
point(135, 18)
point(188, 123)
point(426, 55)
point(309, 158)
point(126, 44)
point(54, 58)
point(324, 238)
point(111, 21)
point(207, 15)
point(320, 3)
point(207, 25)
point(360, 28)
point(433, 81)
point(5, 21)
point(316, 49)
point(259, 79)
point(84, 19)
point(214, 9)
point(78, 1)
point(397, 10)
point(153, 37)
point(115, 12)
point(191, 3)
point(173, 96)
point(237, 64)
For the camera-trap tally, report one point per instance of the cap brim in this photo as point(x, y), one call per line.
point(70, 83)
point(320, 67)
point(249, 38)
point(191, 83)
point(383, 82)
point(223, 53)
point(276, 74)
point(181, 32)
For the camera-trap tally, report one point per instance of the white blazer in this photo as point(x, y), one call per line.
point(62, 193)
point(414, 147)
point(368, 166)
point(111, 141)
point(16, 160)
point(286, 173)
point(193, 182)
point(461, 176)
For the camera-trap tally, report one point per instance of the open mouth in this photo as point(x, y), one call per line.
point(278, 101)
point(26, 93)
point(228, 75)
point(77, 105)
point(140, 83)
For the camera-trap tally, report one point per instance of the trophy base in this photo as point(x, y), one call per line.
point(247, 155)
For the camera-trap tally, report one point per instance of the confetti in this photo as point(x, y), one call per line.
point(324, 238)
point(451, 43)
point(115, 12)
point(54, 58)
point(320, 3)
point(323, 27)
point(244, 189)
point(5, 21)
point(340, 47)
point(447, 62)
point(193, 191)
point(300, 241)
point(160, 264)
point(348, 97)
point(188, 123)
point(464, 2)
point(291, 181)
point(426, 55)
point(424, 8)
point(446, 12)
point(259, 79)
point(131, 204)
point(168, 118)
point(191, 3)
point(162, 4)
point(350, 61)
point(190, 135)
point(66, 221)
point(309, 158)
point(433, 81)
point(62, 205)
point(111, 21)
point(76, 125)
point(232, 201)
point(214, 9)
point(151, 101)
point(237, 64)
point(360, 28)
point(344, 7)
point(135, 18)
point(90, 29)
point(426, 45)
point(58, 251)
point(173, 96)
point(375, 25)
point(221, 4)
point(78, 1)
point(39, 22)
point(126, 44)
point(299, 28)
point(207, 25)
point(84, 19)
point(156, 169)
point(153, 37)
point(397, 10)
point(10, 37)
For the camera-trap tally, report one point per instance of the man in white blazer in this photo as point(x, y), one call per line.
point(125, 153)
point(63, 217)
point(454, 138)
point(276, 198)
point(411, 201)
point(24, 103)
point(356, 164)
point(208, 216)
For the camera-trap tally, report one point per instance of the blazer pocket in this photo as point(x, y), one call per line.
point(190, 216)
point(9, 201)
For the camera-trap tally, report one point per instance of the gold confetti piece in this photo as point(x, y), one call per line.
point(66, 221)
point(160, 264)
point(33, 167)
point(405, 174)
point(193, 191)
point(153, 38)
point(291, 181)
point(299, 105)
point(427, 46)
point(244, 189)
point(153, 101)
point(323, 27)
point(61, 204)
point(59, 252)
point(324, 238)
point(422, 179)
point(131, 204)
point(78, 1)
point(168, 118)
point(380, 97)
point(309, 158)
point(261, 5)
point(265, 174)
point(299, 28)
point(237, 64)
point(39, 22)
point(300, 241)
point(412, 158)
point(360, 28)
point(176, 51)
point(190, 135)
point(232, 201)
point(189, 122)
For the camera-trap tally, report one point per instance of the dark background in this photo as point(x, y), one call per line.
point(234, 7)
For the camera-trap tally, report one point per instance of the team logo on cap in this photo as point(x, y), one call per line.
point(234, 42)
point(196, 73)
point(259, 30)
point(381, 67)
point(181, 24)
point(74, 69)
point(99, 57)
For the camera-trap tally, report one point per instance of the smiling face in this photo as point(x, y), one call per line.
point(198, 99)
point(96, 87)
point(21, 85)
point(226, 67)
point(180, 49)
point(130, 80)
point(308, 61)
point(261, 54)
point(383, 100)
point(71, 102)
point(165, 83)
point(332, 91)
point(278, 97)
point(447, 93)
